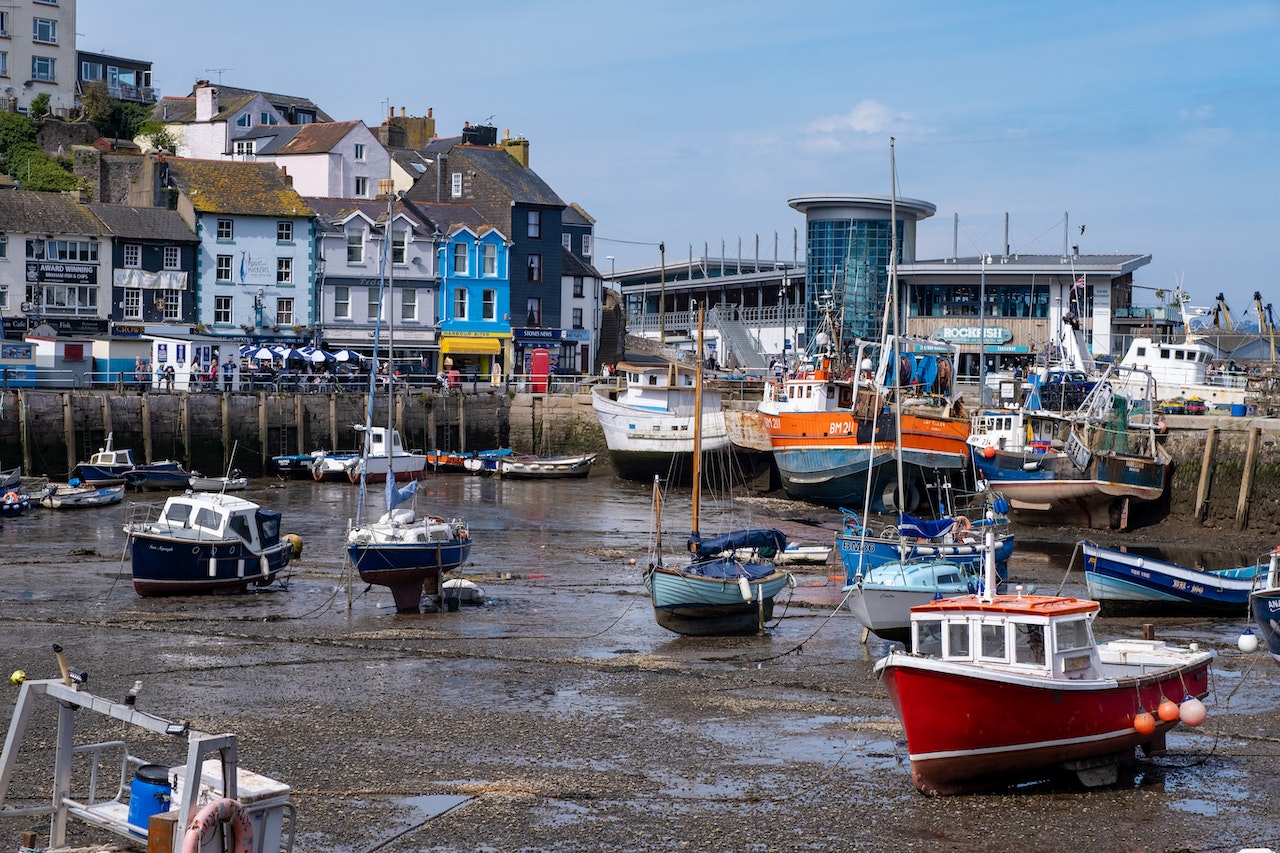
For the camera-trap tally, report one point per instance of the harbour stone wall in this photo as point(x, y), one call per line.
point(47, 432)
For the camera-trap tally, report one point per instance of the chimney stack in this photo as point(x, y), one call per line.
point(206, 102)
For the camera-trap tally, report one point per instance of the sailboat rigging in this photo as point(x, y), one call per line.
point(881, 593)
point(717, 592)
point(401, 550)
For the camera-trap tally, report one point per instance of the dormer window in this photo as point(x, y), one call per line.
point(244, 120)
point(268, 119)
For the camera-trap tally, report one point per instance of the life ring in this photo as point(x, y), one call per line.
point(11, 497)
point(225, 810)
point(963, 525)
point(464, 534)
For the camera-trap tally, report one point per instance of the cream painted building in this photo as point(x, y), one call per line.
point(38, 54)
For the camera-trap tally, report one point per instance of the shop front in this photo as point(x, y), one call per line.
point(474, 356)
point(563, 352)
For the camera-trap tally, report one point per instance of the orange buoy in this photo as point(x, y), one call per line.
point(989, 452)
point(1192, 712)
point(1144, 723)
point(1168, 710)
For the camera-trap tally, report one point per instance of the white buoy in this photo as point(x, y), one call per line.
point(745, 586)
point(1248, 642)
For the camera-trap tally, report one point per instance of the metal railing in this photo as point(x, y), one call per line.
point(287, 382)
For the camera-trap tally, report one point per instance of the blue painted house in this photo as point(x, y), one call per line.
point(475, 300)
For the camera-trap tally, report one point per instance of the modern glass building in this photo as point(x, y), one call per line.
point(847, 239)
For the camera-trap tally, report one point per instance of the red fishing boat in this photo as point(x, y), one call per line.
point(1003, 689)
point(831, 426)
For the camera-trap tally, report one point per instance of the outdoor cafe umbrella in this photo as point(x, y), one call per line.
point(288, 353)
point(316, 355)
point(347, 355)
point(262, 353)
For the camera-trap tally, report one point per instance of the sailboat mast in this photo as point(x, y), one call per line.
point(894, 351)
point(391, 331)
point(697, 428)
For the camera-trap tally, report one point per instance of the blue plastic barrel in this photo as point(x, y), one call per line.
point(1239, 410)
point(148, 794)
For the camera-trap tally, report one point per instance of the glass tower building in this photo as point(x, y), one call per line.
point(847, 240)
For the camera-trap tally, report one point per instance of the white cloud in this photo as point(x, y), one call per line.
point(1200, 113)
point(869, 117)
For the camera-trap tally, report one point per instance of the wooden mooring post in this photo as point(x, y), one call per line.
point(1246, 479)
point(1206, 473)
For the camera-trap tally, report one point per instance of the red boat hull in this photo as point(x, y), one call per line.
point(1016, 730)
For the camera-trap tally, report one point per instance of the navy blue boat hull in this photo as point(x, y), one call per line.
point(1265, 607)
point(408, 569)
point(163, 566)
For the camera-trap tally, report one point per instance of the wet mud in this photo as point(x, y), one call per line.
point(560, 717)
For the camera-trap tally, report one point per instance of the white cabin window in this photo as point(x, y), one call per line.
point(1071, 635)
point(928, 639)
point(958, 640)
point(1028, 644)
point(992, 644)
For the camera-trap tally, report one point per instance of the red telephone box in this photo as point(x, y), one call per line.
point(539, 369)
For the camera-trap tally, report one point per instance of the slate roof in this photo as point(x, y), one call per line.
point(575, 215)
point(183, 110)
point(226, 186)
point(441, 143)
point(411, 161)
point(284, 103)
point(276, 136)
point(451, 217)
point(499, 183)
point(574, 265)
point(47, 213)
point(330, 211)
point(523, 184)
point(150, 223)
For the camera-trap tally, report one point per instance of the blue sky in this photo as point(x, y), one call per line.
point(1152, 124)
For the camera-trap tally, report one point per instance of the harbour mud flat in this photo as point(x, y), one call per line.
point(559, 717)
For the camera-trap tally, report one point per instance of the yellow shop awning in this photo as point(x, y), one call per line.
point(470, 346)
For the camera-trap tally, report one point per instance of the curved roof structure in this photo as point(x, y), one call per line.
point(849, 206)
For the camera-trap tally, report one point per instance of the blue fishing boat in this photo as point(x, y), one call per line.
point(158, 476)
point(293, 465)
point(1264, 604)
point(1085, 467)
point(1136, 581)
point(956, 538)
point(204, 542)
point(107, 467)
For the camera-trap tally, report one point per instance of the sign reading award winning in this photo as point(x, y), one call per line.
point(56, 272)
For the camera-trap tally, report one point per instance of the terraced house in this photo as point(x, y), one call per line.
point(255, 267)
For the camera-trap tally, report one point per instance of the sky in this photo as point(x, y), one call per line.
point(1152, 125)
